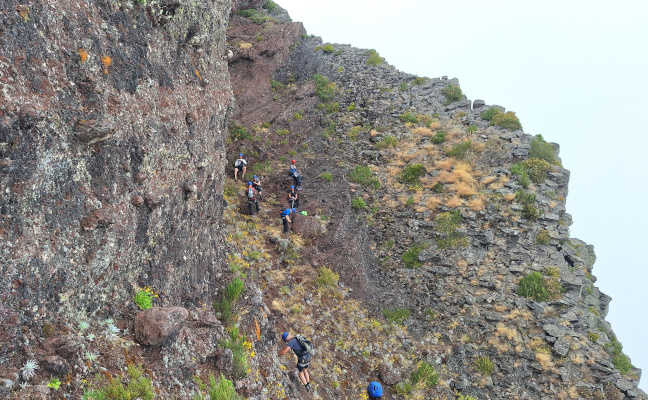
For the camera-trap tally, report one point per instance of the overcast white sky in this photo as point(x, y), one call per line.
point(575, 71)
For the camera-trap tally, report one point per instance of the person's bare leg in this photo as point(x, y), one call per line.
point(307, 376)
point(302, 377)
point(236, 174)
point(243, 174)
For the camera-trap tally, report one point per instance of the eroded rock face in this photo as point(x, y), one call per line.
point(93, 124)
point(157, 325)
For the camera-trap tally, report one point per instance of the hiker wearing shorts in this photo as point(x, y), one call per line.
point(240, 165)
point(303, 348)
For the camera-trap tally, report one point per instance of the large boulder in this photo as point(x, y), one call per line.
point(157, 325)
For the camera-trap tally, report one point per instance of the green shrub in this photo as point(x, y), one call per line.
point(438, 188)
point(507, 120)
point(387, 141)
point(419, 81)
point(484, 365)
point(404, 388)
point(144, 298)
point(593, 337)
point(490, 113)
point(537, 169)
point(529, 210)
point(533, 286)
point(374, 58)
point(363, 175)
point(138, 387)
point(298, 116)
point(327, 176)
point(471, 129)
point(355, 132)
point(520, 172)
point(439, 138)
point(425, 373)
point(620, 360)
point(452, 93)
point(237, 343)
point(412, 173)
point(542, 237)
point(446, 225)
point(358, 204)
point(542, 150)
point(351, 107)
point(409, 117)
point(326, 278)
point(465, 397)
point(461, 150)
point(223, 389)
point(397, 315)
point(276, 85)
point(403, 86)
point(324, 89)
point(411, 257)
point(329, 107)
point(270, 5)
point(238, 132)
point(328, 48)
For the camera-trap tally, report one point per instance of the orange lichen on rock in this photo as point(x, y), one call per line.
point(83, 55)
point(197, 74)
point(106, 62)
point(23, 11)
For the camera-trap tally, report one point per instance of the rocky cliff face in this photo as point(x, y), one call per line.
point(435, 256)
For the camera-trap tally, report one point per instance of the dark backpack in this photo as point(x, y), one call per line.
point(306, 345)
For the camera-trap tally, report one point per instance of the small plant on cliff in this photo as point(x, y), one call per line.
point(542, 237)
point(446, 225)
point(223, 389)
point(484, 365)
point(270, 5)
point(533, 286)
point(537, 169)
point(439, 138)
point(460, 151)
point(411, 257)
point(324, 89)
point(527, 200)
point(326, 278)
point(238, 132)
point(397, 315)
point(425, 374)
point(255, 15)
point(54, 383)
point(358, 204)
point(386, 142)
point(409, 117)
point(114, 388)
point(374, 58)
point(144, 298)
point(542, 150)
point(363, 175)
point(228, 299)
point(452, 93)
point(327, 48)
point(620, 360)
point(412, 173)
point(520, 172)
point(327, 176)
point(241, 349)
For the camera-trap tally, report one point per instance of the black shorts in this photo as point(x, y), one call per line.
point(303, 362)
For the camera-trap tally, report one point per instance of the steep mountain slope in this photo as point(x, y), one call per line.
point(435, 256)
point(434, 210)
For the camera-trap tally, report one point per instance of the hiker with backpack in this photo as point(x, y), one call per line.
point(297, 178)
point(253, 203)
point(240, 165)
point(293, 197)
point(256, 183)
point(285, 218)
point(304, 350)
point(374, 390)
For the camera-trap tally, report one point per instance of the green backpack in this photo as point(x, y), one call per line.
point(306, 344)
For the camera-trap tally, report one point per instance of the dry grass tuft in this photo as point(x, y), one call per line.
point(423, 131)
point(432, 203)
point(509, 196)
point(446, 164)
point(488, 180)
point(454, 202)
point(245, 45)
point(476, 204)
point(463, 189)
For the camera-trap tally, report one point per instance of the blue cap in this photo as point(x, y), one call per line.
point(284, 336)
point(255, 177)
point(250, 183)
point(374, 389)
point(240, 154)
point(293, 210)
point(292, 186)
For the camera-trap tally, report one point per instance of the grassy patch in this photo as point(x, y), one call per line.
point(374, 58)
point(270, 5)
point(397, 315)
point(228, 298)
point(527, 200)
point(620, 360)
point(542, 150)
point(221, 389)
point(409, 117)
point(520, 172)
point(490, 113)
point(255, 15)
point(439, 138)
point(327, 176)
point(452, 93)
point(412, 173)
point(425, 374)
point(238, 132)
point(484, 365)
point(446, 225)
point(240, 347)
point(358, 204)
point(386, 142)
point(507, 120)
point(411, 257)
point(542, 237)
point(461, 150)
point(363, 175)
point(351, 107)
point(327, 48)
point(115, 388)
point(326, 278)
point(533, 286)
point(537, 169)
point(355, 132)
point(324, 89)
